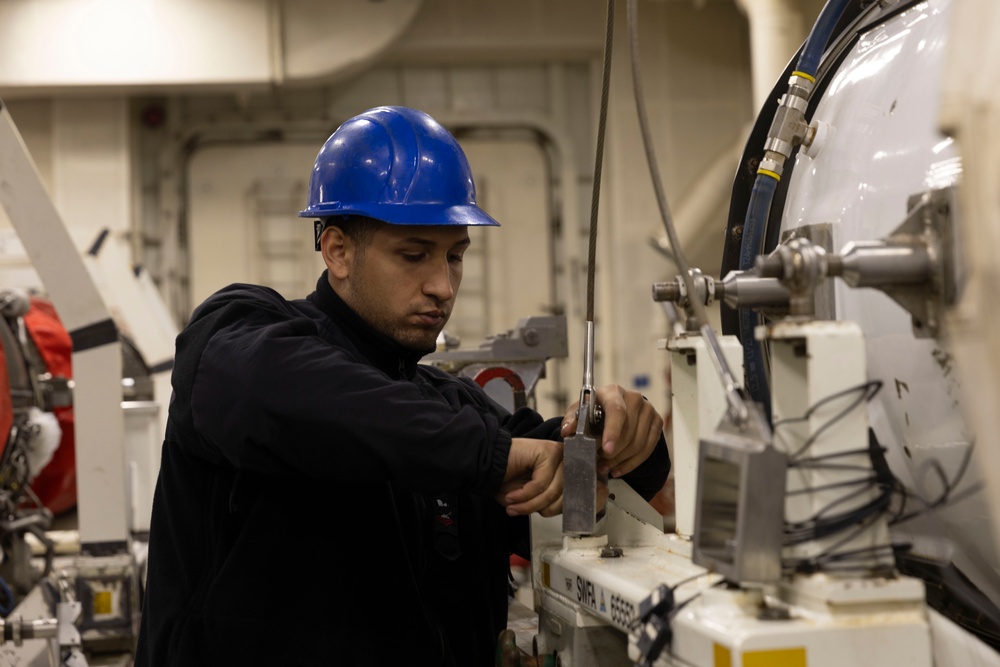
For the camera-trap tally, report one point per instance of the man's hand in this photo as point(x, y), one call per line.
point(632, 427)
point(534, 480)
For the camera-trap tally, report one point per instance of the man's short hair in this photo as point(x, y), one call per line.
point(360, 229)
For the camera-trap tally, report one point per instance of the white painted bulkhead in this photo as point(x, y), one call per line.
point(518, 83)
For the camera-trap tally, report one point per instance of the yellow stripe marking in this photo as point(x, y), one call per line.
point(787, 657)
point(767, 172)
point(721, 656)
point(102, 602)
point(804, 76)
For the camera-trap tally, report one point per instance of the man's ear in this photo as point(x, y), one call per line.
point(338, 252)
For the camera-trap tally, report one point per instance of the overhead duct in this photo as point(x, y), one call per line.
point(48, 45)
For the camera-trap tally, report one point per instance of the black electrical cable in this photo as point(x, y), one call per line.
point(800, 462)
point(822, 560)
point(868, 391)
point(862, 551)
point(819, 525)
point(872, 386)
point(688, 580)
point(822, 465)
point(946, 494)
point(822, 518)
point(859, 527)
point(656, 633)
point(833, 485)
point(851, 560)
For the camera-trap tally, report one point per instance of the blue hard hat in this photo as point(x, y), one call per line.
point(397, 165)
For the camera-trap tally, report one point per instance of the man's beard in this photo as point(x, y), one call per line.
point(411, 337)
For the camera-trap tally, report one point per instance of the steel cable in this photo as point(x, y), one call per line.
point(599, 160)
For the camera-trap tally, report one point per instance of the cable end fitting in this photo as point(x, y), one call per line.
point(802, 80)
point(772, 165)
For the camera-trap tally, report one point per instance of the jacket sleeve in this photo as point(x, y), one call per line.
point(268, 395)
point(647, 479)
point(650, 476)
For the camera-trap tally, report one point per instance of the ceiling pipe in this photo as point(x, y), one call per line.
point(777, 30)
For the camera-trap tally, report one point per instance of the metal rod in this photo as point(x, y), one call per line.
point(588, 356)
point(580, 450)
point(736, 404)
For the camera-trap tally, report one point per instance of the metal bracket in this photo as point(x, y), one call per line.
point(930, 227)
point(824, 304)
point(524, 350)
point(917, 265)
point(535, 337)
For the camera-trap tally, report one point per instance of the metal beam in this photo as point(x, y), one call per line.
point(100, 461)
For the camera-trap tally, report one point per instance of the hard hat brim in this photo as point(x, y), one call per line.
point(408, 214)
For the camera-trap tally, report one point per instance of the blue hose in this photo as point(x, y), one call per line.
point(753, 232)
point(756, 219)
point(819, 36)
point(7, 606)
point(760, 205)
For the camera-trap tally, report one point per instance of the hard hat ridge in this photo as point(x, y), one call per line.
point(397, 165)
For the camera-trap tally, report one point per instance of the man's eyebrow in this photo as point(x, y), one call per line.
point(430, 242)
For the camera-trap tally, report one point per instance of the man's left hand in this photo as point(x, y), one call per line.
point(631, 429)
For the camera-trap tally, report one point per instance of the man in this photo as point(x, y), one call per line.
point(325, 500)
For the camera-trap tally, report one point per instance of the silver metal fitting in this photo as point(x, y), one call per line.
point(771, 164)
point(676, 291)
point(789, 127)
point(800, 266)
point(778, 146)
point(800, 85)
point(917, 265)
point(743, 289)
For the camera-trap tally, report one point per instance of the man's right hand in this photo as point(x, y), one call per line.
point(534, 479)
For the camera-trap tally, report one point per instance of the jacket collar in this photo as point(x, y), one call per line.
point(384, 353)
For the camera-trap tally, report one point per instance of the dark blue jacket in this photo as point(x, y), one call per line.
point(325, 500)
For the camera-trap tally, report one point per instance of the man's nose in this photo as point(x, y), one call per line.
point(438, 282)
